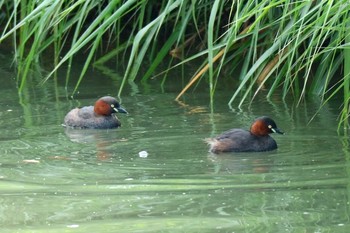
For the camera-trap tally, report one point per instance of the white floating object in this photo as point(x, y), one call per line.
point(30, 161)
point(143, 154)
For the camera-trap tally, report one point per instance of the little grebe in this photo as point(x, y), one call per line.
point(100, 116)
point(240, 140)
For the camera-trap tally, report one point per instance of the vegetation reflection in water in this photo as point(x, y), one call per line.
point(55, 179)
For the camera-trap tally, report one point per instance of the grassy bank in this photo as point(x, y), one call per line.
point(301, 47)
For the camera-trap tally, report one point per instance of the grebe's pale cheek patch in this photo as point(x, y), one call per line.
point(114, 108)
point(272, 129)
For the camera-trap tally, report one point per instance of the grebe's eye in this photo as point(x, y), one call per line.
point(269, 126)
point(114, 108)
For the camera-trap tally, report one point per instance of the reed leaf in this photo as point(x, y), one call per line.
point(299, 47)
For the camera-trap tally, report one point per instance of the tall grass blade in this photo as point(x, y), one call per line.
point(300, 47)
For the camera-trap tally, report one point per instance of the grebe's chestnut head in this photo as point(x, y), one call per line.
point(263, 126)
point(107, 105)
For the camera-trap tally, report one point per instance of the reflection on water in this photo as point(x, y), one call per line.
point(241, 163)
point(101, 139)
point(54, 179)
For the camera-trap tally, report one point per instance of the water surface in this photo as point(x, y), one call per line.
point(58, 180)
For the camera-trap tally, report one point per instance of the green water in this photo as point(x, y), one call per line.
point(58, 180)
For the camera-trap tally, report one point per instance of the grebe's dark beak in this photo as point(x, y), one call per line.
point(122, 110)
point(276, 130)
point(119, 109)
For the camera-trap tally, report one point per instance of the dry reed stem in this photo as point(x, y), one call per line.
point(205, 68)
point(264, 73)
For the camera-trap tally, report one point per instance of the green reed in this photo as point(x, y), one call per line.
point(299, 47)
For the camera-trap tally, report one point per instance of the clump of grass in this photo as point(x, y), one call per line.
point(300, 47)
